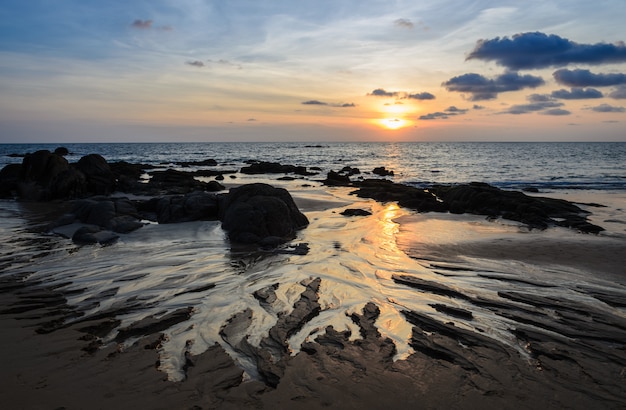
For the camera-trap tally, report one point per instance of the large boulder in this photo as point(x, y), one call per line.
point(38, 172)
point(194, 206)
point(100, 178)
point(9, 178)
point(174, 182)
point(260, 213)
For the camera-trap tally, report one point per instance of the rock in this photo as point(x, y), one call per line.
point(117, 215)
point(100, 178)
point(38, 171)
point(349, 171)
point(382, 171)
point(355, 212)
point(252, 212)
point(178, 182)
point(264, 167)
point(195, 206)
point(62, 151)
point(70, 183)
point(336, 179)
point(535, 212)
point(9, 178)
point(91, 235)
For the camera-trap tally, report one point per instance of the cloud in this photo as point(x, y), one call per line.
point(556, 111)
point(379, 92)
point(453, 109)
point(607, 108)
point(314, 102)
point(539, 50)
point(482, 88)
point(537, 102)
point(585, 78)
point(404, 23)
point(195, 63)
point(338, 105)
point(421, 96)
point(577, 94)
point(447, 113)
point(147, 25)
point(478, 107)
point(142, 24)
point(619, 93)
point(251, 119)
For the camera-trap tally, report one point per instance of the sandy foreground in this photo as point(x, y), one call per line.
point(575, 360)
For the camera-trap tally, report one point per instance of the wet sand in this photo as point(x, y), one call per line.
point(545, 351)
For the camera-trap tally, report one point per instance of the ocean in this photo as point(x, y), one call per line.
point(509, 165)
point(160, 269)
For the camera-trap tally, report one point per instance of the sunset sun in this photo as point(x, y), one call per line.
point(393, 123)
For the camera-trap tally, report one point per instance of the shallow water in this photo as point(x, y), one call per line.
point(159, 269)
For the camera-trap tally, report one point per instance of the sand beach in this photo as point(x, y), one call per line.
point(409, 310)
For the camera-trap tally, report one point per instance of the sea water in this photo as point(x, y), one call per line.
point(513, 165)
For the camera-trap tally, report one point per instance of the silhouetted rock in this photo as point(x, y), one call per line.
point(178, 182)
point(38, 170)
point(536, 212)
point(336, 179)
point(250, 213)
point(9, 178)
point(382, 171)
point(355, 212)
point(194, 206)
point(349, 171)
point(91, 235)
point(62, 151)
point(100, 178)
point(264, 167)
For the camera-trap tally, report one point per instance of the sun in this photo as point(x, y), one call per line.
point(393, 123)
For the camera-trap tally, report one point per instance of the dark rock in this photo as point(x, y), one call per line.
point(531, 189)
point(70, 183)
point(118, 215)
point(382, 171)
point(336, 179)
point(349, 171)
point(9, 178)
point(210, 162)
point(100, 178)
point(39, 169)
point(194, 206)
point(264, 167)
point(252, 212)
point(62, 151)
point(178, 182)
point(535, 212)
point(91, 235)
point(355, 212)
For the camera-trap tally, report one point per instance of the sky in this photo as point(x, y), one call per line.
point(340, 70)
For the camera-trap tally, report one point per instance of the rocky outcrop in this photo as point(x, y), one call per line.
point(475, 198)
point(263, 167)
point(197, 205)
point(260, 213)
point(99, 177)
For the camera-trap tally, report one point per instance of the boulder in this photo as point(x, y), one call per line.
point(172, 181)
point(253, 213)
point(38, 172)
point(382, 171)
point(194, 206)
point(117, 215)
point(355, 212)
point(336, 179)
point(264, 167)
point(9, 178)
point(100, 178)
